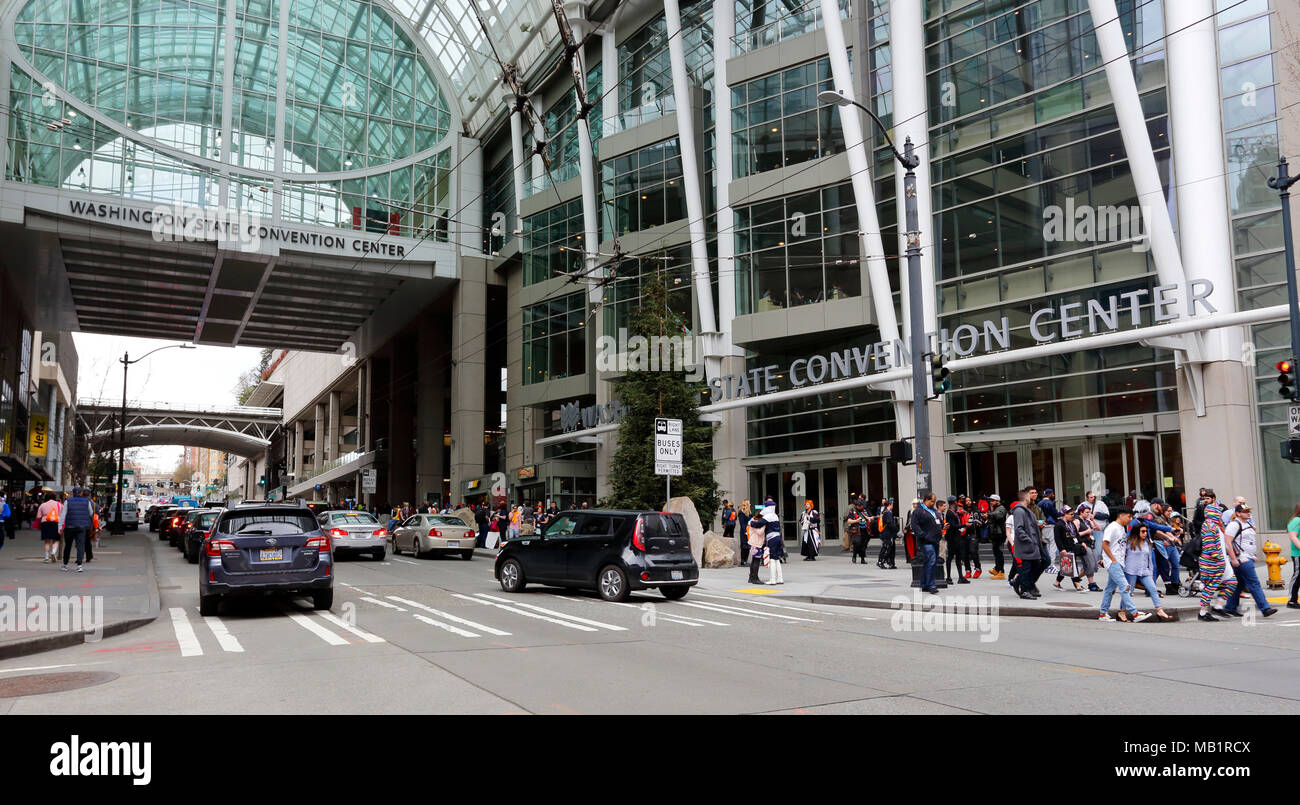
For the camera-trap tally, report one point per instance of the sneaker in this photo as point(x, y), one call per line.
point(967, 574)
point(1269, 611)
point(1093, 588)
point(1105, 616)
point(977, 573)
point(1141, 616)
point(65, 567)
point(80, 569)
point(46, 560)
point(1205, 616)
point(962, 581)
point(1292, 605)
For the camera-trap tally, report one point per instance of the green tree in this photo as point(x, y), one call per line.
point(249, 380)
point(650, 394)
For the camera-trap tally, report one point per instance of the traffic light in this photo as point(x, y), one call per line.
point(939, 382)
point(900, 452)
point(1286, 379)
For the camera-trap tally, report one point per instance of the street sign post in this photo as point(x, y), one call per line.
point(1294, 421)
point(668, 451)
point(369, 481)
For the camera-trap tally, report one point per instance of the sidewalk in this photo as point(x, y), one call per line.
point(834, 579)
point(122, 577)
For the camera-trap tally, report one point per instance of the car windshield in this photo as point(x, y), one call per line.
point(446, 521)
point(352, 518)
point(290, 522)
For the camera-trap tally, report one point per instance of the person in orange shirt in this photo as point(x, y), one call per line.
point(48, 517)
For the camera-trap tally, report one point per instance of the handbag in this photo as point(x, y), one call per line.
point(1067, 564)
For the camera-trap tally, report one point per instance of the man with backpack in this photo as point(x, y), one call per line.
point(1239, 545)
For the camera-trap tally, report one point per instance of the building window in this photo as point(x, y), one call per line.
point(552, 242)
point(645, 74)
point(499, 206)
point(778, 121)
point(674, 269)
point(561, 124)
point(555, 339)
point(643, 189)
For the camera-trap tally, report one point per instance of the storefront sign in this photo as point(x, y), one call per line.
point(526, 473)
point(39, 435)
point(573, 415)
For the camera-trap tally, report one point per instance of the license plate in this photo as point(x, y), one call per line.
point(453, 543)
point(677, 575)
point(268, 555)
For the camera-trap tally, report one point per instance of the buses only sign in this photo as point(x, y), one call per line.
point(668, 446)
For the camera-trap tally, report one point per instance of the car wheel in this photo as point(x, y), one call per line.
point(380, 554)
point(323, 599)
point(415, 547)
point(512, 576)
point(467, 555)
point(208, 604)
point(674, 593)
point(611, 583)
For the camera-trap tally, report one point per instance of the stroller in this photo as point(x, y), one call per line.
point(1190, 585)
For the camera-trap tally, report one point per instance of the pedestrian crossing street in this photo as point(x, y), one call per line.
point(474, 616)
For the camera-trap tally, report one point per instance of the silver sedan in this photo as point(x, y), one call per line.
point(355, 531)
point(423, 533)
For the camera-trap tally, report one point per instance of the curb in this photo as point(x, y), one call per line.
point(42, 643)
point(1089, 613)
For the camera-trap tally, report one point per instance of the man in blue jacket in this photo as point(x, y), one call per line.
point(927, 526)
point(75, 522)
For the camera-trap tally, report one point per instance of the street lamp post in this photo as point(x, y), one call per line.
point(1282, 184)
point(915, 306)
point(118, 529)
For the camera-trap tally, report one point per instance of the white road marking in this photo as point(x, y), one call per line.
point(447, 626)
point(47, 667)
point(672, 617)
point(227, 641)
point(599, 624)
point(451, 617)
point(759, 601)
point(316, 629)
point(358, 589)
point(370, 600)
point(185, 637)
point(342, 624)
point(674, 620)
point(405, 561)
point(744, 613)
point(527, 614)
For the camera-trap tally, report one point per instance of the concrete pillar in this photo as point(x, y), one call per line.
point(363, 406)
point(468, 343)
point(729, 447)
point(319, 438)
point(299, 450)
point(429, 402)
point(334, 431)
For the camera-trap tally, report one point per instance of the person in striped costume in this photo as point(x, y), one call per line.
point(1212, 562)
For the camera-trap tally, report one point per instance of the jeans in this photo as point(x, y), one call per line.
point(1115, 580)
point(1247, 580)
point(927, 571)
point(996, 545)
point(1162, 560)
point(1175, 556)
point(1149, 583)
point(72, 535)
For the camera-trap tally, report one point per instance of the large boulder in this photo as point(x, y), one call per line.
point(466, 514)
point(686, 508)
point(718, 551)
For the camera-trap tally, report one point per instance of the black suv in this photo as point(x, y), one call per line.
point(613, 552)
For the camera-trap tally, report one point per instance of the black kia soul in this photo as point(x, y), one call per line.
point(613, 552)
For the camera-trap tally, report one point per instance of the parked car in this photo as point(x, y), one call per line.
point(130, 515)
point(167, 518)
point(196, 531)
point(612, 552)
point(177, 536)
point(271, 549)
point(355, 531)
point(425, 533)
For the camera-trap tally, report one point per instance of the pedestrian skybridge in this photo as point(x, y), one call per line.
point(241, 430)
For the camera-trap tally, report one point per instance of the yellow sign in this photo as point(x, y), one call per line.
point(39, 435)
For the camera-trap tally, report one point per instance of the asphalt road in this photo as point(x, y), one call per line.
point(439, 636)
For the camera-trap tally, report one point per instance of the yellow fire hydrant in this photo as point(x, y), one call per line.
point(1273, 554)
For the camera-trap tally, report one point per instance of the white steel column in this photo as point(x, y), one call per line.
point(724, 27)
point(517, 160)
point(871, 244)
point(1199, 166)
point(1137, 142)
point(912, 119)
point(609, 79)
point(587, 167)
point(690, 169)
point(539, 167)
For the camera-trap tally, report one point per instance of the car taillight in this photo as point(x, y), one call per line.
point(638, 539)
point(216, 546)
point(383, 532)
point(322, 544)
point(433, 532)
point(336, 532)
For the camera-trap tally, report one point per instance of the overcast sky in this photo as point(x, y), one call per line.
point(199, 376)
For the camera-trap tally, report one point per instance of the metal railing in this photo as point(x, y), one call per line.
point(333, 464)
point(807, 17)
point(144, 405)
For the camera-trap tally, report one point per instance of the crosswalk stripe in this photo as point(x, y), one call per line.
point(451, 617)
point(528, 614)
point(746, 613)
point(225, 639)
point(342, 624)
point(447, 626)
point(316, 629)
point(760, 602)
point(682, 617)
point(370, 600)
point(185, 637)
point(405, 561)
point(358, 589)
point(599, 624)
point(675, 620)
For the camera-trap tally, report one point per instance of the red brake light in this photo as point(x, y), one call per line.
point(336, 532)
point(638, 539)
point(383, 532)
point(215, 547)
point(433, 532)
point(320, 543)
